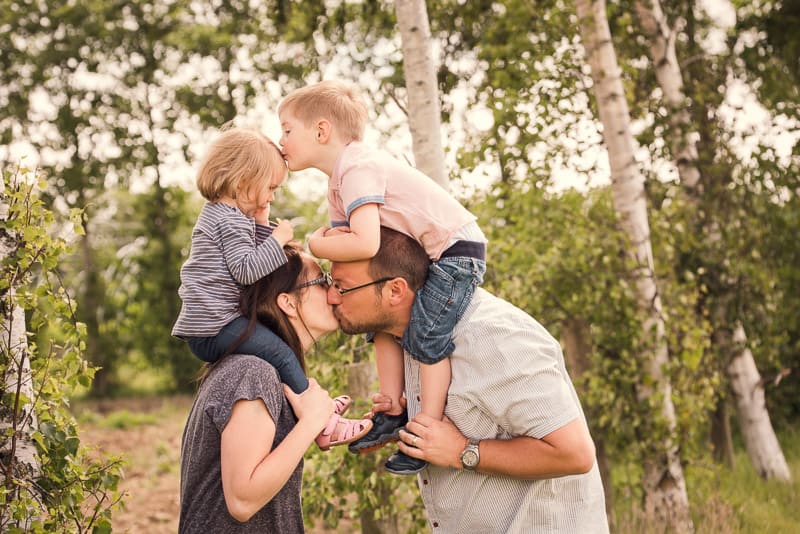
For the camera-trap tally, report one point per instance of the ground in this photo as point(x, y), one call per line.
point(147, 433)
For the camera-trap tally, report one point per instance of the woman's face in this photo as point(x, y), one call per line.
point(317, 314)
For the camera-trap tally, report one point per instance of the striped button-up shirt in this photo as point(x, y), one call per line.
point(508, 379)
point(229, 251)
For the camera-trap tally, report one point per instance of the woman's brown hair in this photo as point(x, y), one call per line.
point(259, 303)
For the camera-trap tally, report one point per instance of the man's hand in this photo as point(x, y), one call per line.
point(437, 442)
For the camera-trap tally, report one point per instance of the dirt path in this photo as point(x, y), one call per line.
point(148, 434)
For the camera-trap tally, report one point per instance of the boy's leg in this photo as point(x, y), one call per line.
point(389, 362)
point(265, 344)
point(439, 306)
point(386, 425)
point(434, 382)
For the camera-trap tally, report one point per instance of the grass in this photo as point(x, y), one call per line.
point(725, 500)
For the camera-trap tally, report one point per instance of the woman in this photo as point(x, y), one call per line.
point(243, 445)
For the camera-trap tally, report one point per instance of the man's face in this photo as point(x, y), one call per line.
point(362, 310)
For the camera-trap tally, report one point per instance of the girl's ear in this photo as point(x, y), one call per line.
point(287, 304)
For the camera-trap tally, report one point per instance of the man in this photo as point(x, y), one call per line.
point(513, 453)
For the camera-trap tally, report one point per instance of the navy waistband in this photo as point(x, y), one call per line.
point(469, 249)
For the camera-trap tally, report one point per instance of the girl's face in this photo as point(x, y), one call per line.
point(298, 143)
point(313, 305)
point(257, 197)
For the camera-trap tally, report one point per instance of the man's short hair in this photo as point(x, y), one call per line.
point(400, 256)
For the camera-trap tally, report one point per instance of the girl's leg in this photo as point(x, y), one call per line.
point(269, 347)
point(434, 383)
point(389, 362)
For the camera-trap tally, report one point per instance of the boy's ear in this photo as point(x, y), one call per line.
point(324, 130)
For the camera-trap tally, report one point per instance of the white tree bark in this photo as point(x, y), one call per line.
point(19, 450)
point(424, 111)
point(664, 484)
point(762, 444)
point(668, 73)
point(752, 412)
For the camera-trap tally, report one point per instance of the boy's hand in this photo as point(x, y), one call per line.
point(283, 231)
point(319, 233)
point(337, 231)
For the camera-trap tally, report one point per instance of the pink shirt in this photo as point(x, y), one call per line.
point(410, 202)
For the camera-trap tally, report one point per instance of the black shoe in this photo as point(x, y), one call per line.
point(385, 429)
point(402, 464)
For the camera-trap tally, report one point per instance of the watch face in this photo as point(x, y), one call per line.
point(470, 458)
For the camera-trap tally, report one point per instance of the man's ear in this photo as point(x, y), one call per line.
point(399, 290)
point(324, 131)
point(287, 304)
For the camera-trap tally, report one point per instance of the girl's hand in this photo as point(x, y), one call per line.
point(313, 406)
point(261, 215)
point(283, 231)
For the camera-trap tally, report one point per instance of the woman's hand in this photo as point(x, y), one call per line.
point(313, 407)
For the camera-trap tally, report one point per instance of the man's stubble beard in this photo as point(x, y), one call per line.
point(379, 323)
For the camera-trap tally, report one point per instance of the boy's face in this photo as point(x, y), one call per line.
point(298, 142)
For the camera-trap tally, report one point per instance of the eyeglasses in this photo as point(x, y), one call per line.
point(325, 280)
point(362, 286)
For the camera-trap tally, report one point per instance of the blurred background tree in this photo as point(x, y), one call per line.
point(119, 99)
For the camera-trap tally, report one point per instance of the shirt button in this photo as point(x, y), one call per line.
point(418, 399)
point(435, 524)
point(425, 481)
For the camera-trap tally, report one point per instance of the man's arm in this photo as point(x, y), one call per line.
point(568, 450)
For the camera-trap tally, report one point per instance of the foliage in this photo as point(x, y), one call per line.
point(341, 485)
point(73, 493)
point(727, 501)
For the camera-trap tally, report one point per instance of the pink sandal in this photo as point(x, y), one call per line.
point(342, 403)
point(350, 431)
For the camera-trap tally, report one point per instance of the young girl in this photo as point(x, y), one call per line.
point(235, 245)
point(322, 128)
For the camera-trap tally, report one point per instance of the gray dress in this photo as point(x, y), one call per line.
point(203, 509)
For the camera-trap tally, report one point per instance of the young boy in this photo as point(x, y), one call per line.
point(323, 126)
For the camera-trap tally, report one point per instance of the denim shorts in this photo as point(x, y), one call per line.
point(439, 305)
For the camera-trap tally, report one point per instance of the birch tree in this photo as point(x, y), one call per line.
point(424, 114)
point(17, 419)
point(745, 381)
point(664, 484)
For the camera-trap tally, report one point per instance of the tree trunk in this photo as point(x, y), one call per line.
point(665, 62)
point(18, 459)
point(721, 438)
point(759, 437)
point(684, 151)
point(424, 111)
point(666, 500)
point(577, 354)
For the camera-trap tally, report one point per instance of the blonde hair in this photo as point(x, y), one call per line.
point(240, 158)
point(339, 102)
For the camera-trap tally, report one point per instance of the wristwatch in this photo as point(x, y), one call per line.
point(471, 455)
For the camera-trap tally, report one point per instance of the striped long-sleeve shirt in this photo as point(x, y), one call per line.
point(508, 379)
point(229, 251)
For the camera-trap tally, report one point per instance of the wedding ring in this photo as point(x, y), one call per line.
point(414, 441)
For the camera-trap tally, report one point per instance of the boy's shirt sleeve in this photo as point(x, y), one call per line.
point(362, 182)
